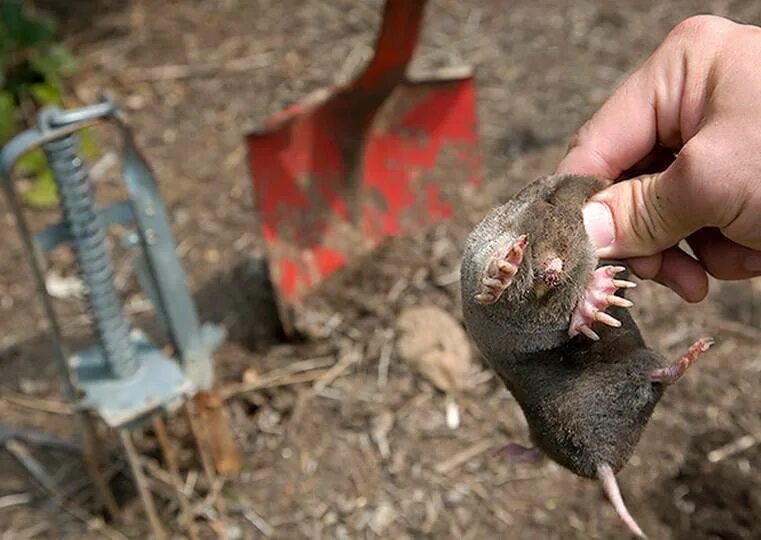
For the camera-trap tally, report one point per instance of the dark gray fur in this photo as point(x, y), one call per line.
point(585, 402)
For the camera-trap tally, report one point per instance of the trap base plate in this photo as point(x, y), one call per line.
point(158, 383)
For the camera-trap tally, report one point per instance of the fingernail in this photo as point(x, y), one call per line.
point(598, 221)
point(753, 263)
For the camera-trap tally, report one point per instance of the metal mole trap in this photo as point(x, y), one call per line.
point(123, 378)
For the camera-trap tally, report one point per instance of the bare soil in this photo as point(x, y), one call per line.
point(369, 455)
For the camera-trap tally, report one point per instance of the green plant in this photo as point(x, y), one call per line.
point(33, 69)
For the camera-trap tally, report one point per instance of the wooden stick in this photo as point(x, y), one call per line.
point(348, 359)
point(34, 467)
point(51, 406)
point(213, 417)
point(14, 499)
point(37, 438)
point(171, 72)
point(142, 485)
point(458, 459)
point(281, 380)
point(92, 459)
point(205, 454)
point(171, 461)
point(292, 374)
point(735, 447)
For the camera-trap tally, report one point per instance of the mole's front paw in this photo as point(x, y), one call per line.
point(501, 270)
point(597, 297)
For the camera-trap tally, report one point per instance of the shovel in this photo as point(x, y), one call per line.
point(347, 167)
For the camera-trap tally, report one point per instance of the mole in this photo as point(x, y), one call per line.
point(553, 323)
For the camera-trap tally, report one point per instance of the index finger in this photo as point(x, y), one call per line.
point(620, 134)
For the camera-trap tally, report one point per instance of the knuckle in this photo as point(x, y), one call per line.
point(697, 26)
point(647, 220)
point(715, 196)
point(704, 32)
point(584, 140)
point(574, 141)
point(580, 138)
point(693, 153)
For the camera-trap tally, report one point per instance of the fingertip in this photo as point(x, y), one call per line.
point(583, 160)
point(684, 291)
point(646, 267)
point(684, 275)
point(619, 134)
point(723, 258)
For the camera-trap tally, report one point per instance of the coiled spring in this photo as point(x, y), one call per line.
point(89, 239)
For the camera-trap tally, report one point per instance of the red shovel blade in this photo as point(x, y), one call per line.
point(339, 172)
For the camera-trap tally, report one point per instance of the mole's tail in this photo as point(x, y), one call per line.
point(610, 486)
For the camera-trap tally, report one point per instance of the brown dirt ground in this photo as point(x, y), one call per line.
point(321, 472)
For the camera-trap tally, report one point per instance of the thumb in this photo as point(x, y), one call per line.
point(644, 215)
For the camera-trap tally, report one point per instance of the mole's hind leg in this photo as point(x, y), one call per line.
point(500, 270)
point(670, 374)
point(599, 295)
point(521, 454)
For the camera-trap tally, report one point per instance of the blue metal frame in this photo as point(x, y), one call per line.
point(121, 389)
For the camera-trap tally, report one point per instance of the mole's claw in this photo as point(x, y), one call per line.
point(485, 298)
point(670, 374)
point(604, 318)
point(520, 244)
point(492, 283)
point(501, 270)
point(506, 268)
point(587, 331)
point(614, 300)
point(598, 296)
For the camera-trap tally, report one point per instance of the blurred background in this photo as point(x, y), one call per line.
point(393, 444)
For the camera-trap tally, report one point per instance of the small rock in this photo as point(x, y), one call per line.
point(233, 531)
point(33, 387)
point(453, 414)
point(381, 426)
point(342, 533)
point(64, 287)
point(135, 101)
point(383, 516)
point(250, 375)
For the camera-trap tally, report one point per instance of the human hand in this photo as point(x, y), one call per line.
point(696, 100)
